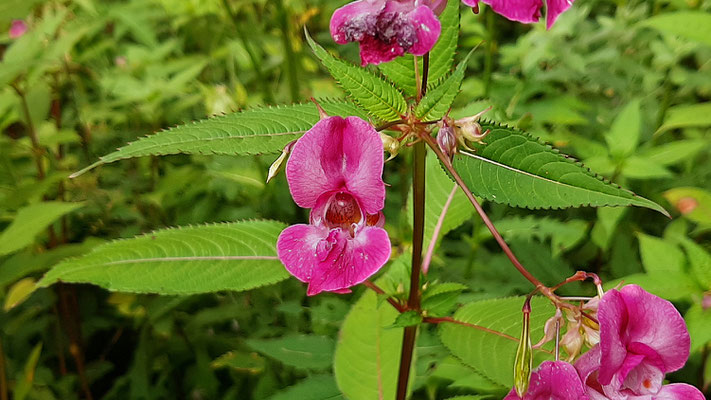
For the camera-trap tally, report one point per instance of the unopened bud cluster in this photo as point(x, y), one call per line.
point(457, 133)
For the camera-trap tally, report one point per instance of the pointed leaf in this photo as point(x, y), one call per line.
point(30, 221)
point(623, 136)
point(687, 116)
point(371, 92)
point(490, 354)
point(207, 258)
point(693, 25)
point(299, 351)
point(256, 131)
point(516, 169)
point(438, 100)
point(316, 387)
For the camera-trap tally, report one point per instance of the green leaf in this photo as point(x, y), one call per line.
point(373, 93)
point(659, 255)
point(30, 221)
point(699, 261)
point(408, 318)
point(438, 100)
point(693, 203)
point(636, 167)
point(251, 363)
point(623, 136)
point(670, 285)
point(692, 25)
point(490, 354)
point(687, 116)
point(401, 70)
point(317, 387)
point(207, 258)
point(299, 351)
point(439, 299)
point(256, 131)
point(18, 293)
point(563, 235)
point(368, 350)
point(442, 54)
point(675, 152)
point(516, 169)
point(24, 384)
point(698, 321)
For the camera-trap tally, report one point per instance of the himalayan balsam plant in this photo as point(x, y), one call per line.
point(619, 344)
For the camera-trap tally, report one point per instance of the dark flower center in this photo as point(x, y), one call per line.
point(343, 211)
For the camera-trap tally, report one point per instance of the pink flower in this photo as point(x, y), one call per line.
point(642, 337)
point(387, 29)
point(336, 170)
point(17, 29)
point(526, 11)
point(553, 380)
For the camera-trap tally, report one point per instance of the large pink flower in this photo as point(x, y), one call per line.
point(553, 380)
point(642, 337)
point(387, 29)
point(336, 170)
point(526, 11)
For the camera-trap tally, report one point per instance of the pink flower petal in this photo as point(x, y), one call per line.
point(338, 155)
point(428, 30)
point(525, 11)
point(553, 10)
point(647, 320)
point(350, 22)
point(679, 391)
point(332, 261)
point(553, 380)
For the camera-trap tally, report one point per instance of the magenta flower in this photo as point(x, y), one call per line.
point(525, 11)
point(17, 28)
point(336, 170)
point(387, 29)
point(642, 337)
point(553, 380)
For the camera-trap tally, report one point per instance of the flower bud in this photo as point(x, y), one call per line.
point(524, 354)
point(390, 144)
point(469, 129)
point(276, 165)
point(446, 138)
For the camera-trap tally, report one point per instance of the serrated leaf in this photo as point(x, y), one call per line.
point(439, 299)
point(693, 25)
point(256, 131)
point(408, 318)
point(207, 258)
point(489, 354)
point(438, 100)
point(401, 70)
point(299, 351)
point(30, 221)
point(373, 93)
point(317, 387)
point(516, 169)
point(563, 235)
point(368, 350)
point(623, 136)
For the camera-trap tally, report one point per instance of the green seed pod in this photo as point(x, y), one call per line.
point(524, 354)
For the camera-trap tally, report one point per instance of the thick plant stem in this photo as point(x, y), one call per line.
point(413, 302)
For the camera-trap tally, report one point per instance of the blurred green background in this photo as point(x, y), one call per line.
point(624, 86)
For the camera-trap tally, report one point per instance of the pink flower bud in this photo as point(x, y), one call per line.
point(17, 29)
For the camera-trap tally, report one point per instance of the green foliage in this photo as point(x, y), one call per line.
point(439, 99)
point(257, 131)
point(687, 115)
point(209, 258)
point(300, 351)
point(543, 177)
point(490, 353)
point(29, 222)
point(373, 93)
point(623, 136)
point(317, 387)
point(692, 25)
point(368, 350)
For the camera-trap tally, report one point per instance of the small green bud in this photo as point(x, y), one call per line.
point(524, 354)
point(276, 165)
point(390, 144)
